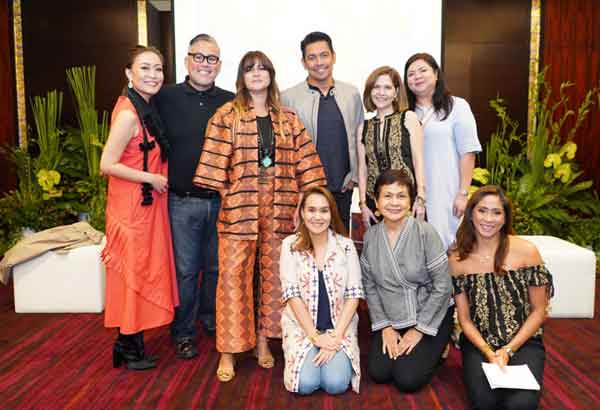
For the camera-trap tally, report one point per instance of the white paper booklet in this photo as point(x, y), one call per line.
point(513, 377)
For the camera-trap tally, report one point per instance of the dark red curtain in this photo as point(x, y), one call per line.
point(571, 47)
point(7, 97)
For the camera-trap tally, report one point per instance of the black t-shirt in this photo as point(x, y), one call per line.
point(332, 141)
point(323, 310)
point(185, 112)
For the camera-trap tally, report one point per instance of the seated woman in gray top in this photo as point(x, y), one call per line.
point(408, 289)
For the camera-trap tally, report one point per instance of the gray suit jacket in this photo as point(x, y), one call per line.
point(305, 101)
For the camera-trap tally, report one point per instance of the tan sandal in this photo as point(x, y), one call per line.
point(225, 374)
point(266, 361)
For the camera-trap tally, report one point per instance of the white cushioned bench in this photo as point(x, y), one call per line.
point(573, 269)
point(56, 282)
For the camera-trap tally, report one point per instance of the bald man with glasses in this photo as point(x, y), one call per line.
point(185, 109)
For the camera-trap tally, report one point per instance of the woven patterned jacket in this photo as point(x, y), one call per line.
point(229, 164)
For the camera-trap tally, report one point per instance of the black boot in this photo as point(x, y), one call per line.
point(125, 351)
point(140, 347)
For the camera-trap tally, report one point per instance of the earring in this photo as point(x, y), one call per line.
point(377, 213)
point(130, 84)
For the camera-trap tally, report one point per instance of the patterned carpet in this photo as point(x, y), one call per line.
point(63, 361)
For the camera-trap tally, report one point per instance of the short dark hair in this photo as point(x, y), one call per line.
point(314, 37)
point(395, 176)
point(203, 37)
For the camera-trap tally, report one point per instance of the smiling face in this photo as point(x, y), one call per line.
point(488, 216)
point(316, 214)
point(383, 94)
point(421, 78)
point(256, 77)
point(318, 61)
point(146, 74)
point(202, 75)
point(393, 202)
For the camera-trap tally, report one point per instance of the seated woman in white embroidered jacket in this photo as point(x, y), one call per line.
point(320, 278)
point(408, 289)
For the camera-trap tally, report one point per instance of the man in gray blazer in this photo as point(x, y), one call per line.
point(331, 111)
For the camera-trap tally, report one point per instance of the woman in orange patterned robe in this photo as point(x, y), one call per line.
point(258, 155)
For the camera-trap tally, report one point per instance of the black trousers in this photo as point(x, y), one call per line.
point(411, 372)
point(343, 201)
point(482, 396)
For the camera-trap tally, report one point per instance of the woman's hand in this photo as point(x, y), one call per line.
point(419, 210)
point(390, 339)
point(159, 183)
point(367, 216)
point(411, 338)
point(501, 357)
point(459, 205)
point(324, 356)
point(327, 341)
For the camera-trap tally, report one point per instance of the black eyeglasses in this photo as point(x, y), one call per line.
point(199, 58)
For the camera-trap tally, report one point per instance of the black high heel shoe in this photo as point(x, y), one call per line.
point(125, 351)
point(138, 340)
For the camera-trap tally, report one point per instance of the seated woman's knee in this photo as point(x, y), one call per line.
point(308, 385)
point(335, 383)
point(521, 400)
point(409, 383)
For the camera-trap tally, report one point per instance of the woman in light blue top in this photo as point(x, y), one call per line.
point(450, 143)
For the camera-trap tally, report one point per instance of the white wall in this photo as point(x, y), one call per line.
point(365, 34)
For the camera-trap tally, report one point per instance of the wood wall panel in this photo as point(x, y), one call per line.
point(486, 53)
point(7, 95)
point(58, 35)
point(571, 47)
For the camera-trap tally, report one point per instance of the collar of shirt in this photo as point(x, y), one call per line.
point(327, 94)
point(212, 91)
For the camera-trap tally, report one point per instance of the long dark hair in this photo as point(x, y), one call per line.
point(243, 99)
point(465, 236)
point(304, 243)
point(442, 98)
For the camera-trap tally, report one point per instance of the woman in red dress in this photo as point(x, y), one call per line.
point(141, 290)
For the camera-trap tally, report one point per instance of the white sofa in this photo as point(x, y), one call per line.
point(56, 282)
point(573, 269)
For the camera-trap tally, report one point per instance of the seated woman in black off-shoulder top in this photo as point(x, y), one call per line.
point(501, 292)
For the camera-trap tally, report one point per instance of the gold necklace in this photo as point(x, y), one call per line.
point(483, 258)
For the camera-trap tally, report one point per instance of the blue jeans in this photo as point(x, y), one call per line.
point(333, 376)
point(195, 247)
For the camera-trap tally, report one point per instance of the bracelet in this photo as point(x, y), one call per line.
point(313, 337)
point(509, 351)
point(362, 204)
point(487, 349)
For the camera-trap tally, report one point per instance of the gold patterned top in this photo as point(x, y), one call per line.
point(499, 304)
point(388, 151)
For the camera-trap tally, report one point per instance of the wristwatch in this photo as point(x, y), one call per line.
point(509, 351)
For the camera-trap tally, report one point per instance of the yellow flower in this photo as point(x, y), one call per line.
point(481, 175)
point(563, 172)
point(48, 179)
point(552, 160)
point(570, 148)
point(472, 190)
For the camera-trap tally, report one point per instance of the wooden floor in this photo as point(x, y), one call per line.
point(63, 361)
